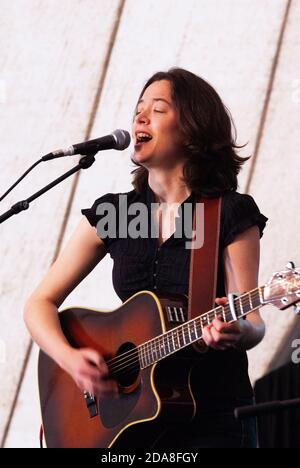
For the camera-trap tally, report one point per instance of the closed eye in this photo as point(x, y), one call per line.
point(155, 110)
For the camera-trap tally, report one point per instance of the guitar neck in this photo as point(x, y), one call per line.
point(184, 335)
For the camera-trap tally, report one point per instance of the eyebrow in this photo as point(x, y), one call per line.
point(155, 100)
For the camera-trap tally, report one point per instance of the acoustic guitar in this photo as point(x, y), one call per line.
point(143, 342)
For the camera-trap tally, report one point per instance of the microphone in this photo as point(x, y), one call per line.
point(119, 140)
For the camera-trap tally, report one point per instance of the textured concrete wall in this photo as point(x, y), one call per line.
point(72, 70)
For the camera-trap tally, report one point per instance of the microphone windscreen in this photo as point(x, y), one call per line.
point(122, 139)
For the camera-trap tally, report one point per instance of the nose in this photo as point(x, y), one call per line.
point(142, 117)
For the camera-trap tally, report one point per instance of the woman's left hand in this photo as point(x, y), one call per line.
point(221, 336)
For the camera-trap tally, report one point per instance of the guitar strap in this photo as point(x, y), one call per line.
point(204, 261)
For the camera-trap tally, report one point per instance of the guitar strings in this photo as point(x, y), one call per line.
point(135, 363)
point(213, 313)
point(134, 354)
point(116, 364)
point(184, 328)
point(242, 298)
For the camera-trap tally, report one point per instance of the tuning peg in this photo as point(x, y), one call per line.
point(297, 308)
point(290, 265)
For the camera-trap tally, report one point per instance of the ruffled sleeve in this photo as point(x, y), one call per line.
point(239, 212)
point(94, 217)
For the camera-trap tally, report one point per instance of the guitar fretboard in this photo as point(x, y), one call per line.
point(178, 338)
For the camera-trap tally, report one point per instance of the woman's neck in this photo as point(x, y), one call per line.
point(168, 186)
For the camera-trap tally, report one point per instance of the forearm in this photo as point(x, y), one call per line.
point(253, 332)
point(41, 318)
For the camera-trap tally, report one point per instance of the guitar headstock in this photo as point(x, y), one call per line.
point(283, 288)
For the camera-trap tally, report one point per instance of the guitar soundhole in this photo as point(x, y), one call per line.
point(128, 366)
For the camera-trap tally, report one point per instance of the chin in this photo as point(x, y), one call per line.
point(141, 158)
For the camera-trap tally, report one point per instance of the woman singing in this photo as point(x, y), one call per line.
point(183, 148)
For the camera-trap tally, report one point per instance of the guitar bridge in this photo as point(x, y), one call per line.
point(91, 404)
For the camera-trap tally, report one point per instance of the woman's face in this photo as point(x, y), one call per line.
point(156, 116)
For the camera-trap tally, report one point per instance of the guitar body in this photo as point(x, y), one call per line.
point(147, 398)
point(146, 346)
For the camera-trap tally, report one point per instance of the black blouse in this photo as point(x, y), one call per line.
point(141, 264)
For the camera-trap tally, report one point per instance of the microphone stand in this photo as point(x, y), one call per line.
point(244, 412)
point(84, 163)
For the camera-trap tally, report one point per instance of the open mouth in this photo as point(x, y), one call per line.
point(142, 138)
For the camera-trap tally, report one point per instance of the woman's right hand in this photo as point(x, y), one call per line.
point(90, 373)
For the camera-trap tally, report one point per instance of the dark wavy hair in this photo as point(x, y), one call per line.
point(212, 164)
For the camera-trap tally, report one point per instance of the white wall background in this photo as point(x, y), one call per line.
point(72, 70)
